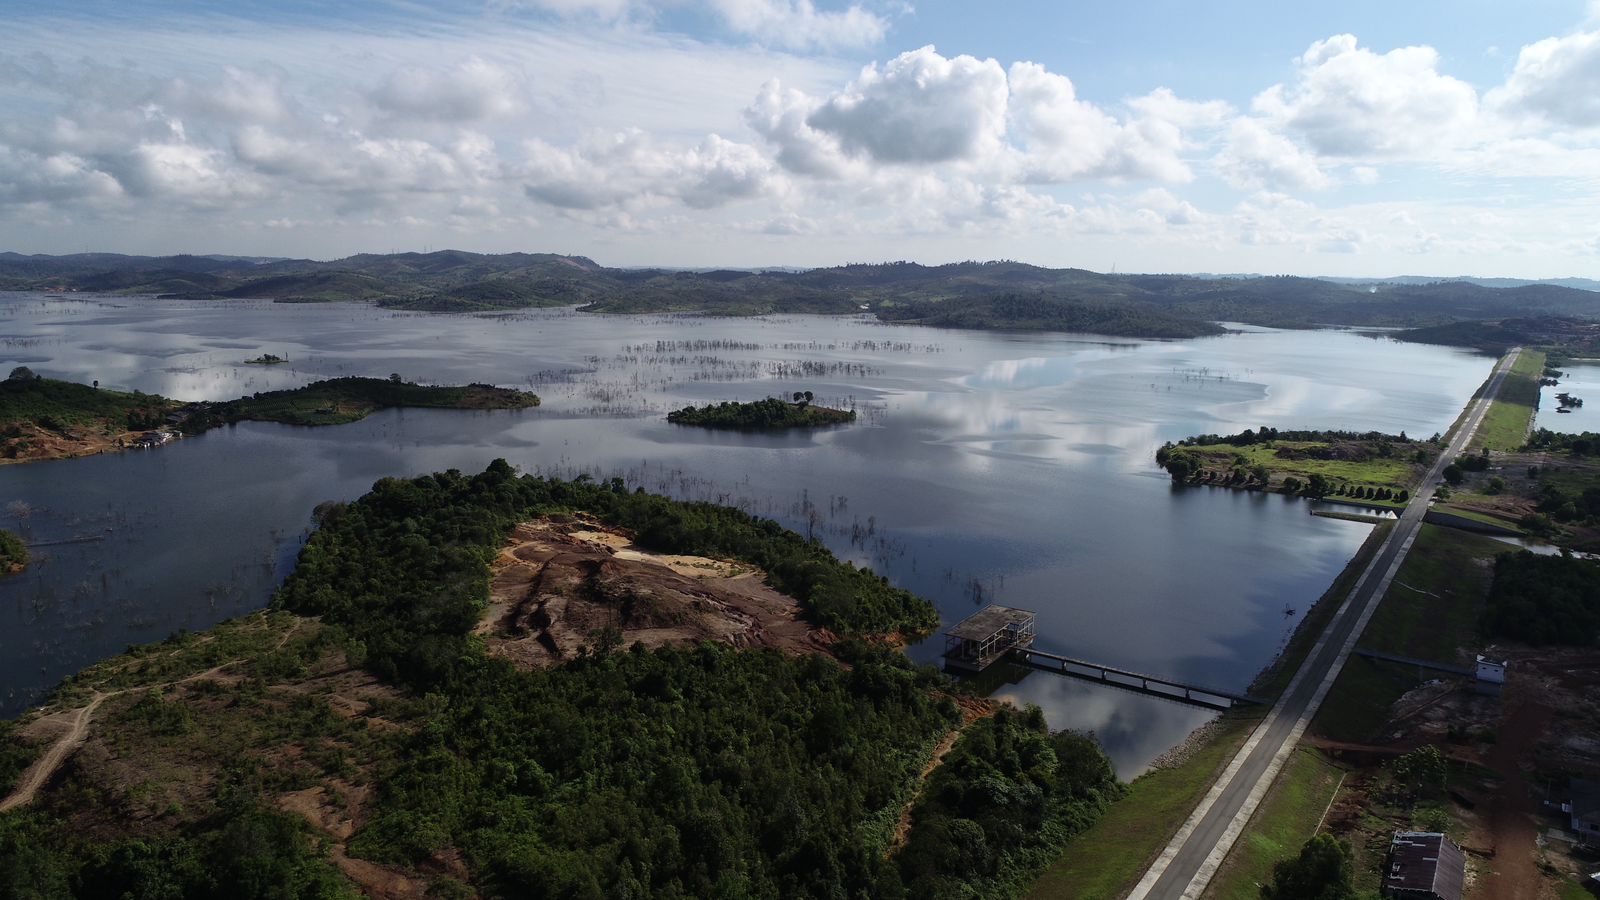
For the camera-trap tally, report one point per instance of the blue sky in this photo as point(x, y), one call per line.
point(1349, 139)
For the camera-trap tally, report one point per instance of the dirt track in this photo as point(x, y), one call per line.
point(39, 774)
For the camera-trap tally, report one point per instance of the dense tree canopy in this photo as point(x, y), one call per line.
point(1544, 600)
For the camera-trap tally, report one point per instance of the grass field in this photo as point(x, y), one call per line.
point(1103, 862)
point(1397, 472)
point(1430, 612)
point(1286, 819)
point(1505, 426)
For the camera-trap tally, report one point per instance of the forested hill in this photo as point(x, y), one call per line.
point(1001, 294)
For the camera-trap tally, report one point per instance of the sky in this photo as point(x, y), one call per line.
point(1356, 139)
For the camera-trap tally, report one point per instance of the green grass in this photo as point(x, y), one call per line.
point(1475, 515)
point(1286, 819)
point(1430, 612)
point(1571, 890)
point(1393, 472)
point(53, 405)
point(1505, 426)
point(1103, 862)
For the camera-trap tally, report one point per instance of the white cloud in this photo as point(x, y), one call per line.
point(791, 24)
point(1062, 138)
point(632, 172)
point(1556, 80)
point(919, 108)
point(1256, 157)
point(799, 24)
point(779, 115)
point(471, 90)
point(1350, 102)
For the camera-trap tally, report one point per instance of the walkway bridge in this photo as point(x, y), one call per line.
point(997, 633)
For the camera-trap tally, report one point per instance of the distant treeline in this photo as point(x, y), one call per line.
point(999, 294)
point(769, 414)
point(1585, 444)
point(1264, 434)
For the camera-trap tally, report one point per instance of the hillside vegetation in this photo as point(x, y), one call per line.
point(268, 764)
point(999, 295)
point(45, 418)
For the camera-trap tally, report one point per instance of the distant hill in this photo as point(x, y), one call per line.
point(1000, 294)
point(1581, 284)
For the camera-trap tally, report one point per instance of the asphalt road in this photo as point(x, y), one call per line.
point(1182, 871)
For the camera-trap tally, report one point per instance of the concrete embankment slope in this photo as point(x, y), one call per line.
point(1185, 867)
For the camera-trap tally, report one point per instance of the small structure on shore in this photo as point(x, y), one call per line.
point(976, 642)
point(1424, 865)
point(1583, 805)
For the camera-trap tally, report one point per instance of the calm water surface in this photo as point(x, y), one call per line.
point(1014, 468)
point(1582, 382)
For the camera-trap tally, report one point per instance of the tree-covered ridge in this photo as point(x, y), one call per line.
point(1544, 600)
point(53, 404)
point(13, 553)
point(770, 414)
point(43, 418)
point(998, 294)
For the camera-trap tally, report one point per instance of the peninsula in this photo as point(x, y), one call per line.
point(467, 678)
point(45, 418)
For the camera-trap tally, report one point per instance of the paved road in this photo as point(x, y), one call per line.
point(1185, 867)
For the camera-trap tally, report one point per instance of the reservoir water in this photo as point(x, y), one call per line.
point(1008, 467)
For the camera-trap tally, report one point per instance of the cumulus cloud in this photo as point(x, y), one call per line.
point(1062, 138)
point(1556, 80)
point(780, 115)
point(1256, 157)
point(919, 108)
point(1348, 101)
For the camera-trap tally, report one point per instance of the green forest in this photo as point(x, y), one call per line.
point(702, 772)
point(771, 414)
point(1544, 600)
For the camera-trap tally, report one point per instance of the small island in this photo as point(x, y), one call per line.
point(1365, 468)
point(771, 414)
point(46, 418)
point(13, 554)
point(266, 359)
